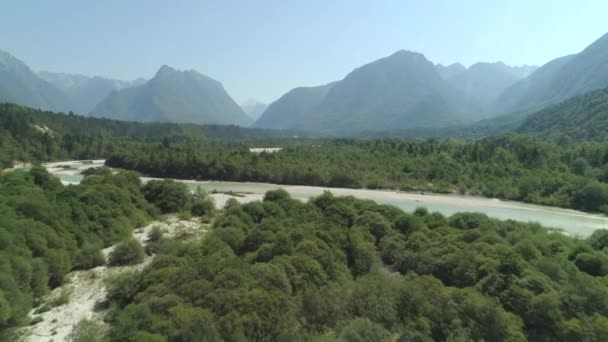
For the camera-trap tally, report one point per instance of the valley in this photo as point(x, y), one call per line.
point(572, 222)
point(303, 171)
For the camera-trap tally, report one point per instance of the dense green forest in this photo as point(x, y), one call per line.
point(334, 268)
point(47, 230)
point(352, 270)
point(583, 117)
point(32, 135)
point(510, 167)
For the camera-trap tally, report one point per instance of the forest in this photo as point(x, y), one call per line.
point(337, 268)
point(513, 167)
point(48, 230)
point(333, 268)
point(28, 134)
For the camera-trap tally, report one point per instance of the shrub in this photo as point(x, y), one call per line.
point(169, 196)
point(155, 240)
point(87, 331)
point(89, 257)
point(202, 204)
point(128, 252)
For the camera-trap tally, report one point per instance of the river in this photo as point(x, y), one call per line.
point(571, 221)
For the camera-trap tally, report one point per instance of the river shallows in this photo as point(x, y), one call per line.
point(571, 221)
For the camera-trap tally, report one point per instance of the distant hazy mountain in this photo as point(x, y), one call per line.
point(583, 117)
point(447, 72)
point(292, 107)
point(560, 79)
point(19, 84)
point(174, 96)
point(254, 108)
point(403, 90)
point(85, 92)
point(400, 92)
point(482, 83)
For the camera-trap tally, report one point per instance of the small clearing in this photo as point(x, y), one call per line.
point(85, 290)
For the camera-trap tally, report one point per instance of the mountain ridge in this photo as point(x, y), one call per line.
point(174, 96)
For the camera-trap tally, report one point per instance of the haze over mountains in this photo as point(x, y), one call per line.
point(403, 91)
point(19, 84)
point(85, 92)
point(253, 108)
point(174, 96)
point(390, 98)
point(171, 96)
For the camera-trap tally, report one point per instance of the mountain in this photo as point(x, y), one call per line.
point(482, 83)
point(583, 117)
point(403, 90)
point(85, 92)
point(253, 108)
point(447, 72)
point(560, 79)
point(292, 107)
point(19, 84)
point(174, 96)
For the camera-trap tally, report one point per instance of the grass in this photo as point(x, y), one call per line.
point(61, 299)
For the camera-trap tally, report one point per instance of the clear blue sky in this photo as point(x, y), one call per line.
point(261, 49)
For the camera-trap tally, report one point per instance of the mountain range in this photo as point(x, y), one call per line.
point(19, 84)
point(85, 92)
point(174, 96)
point(170, 96)
point(403, 91)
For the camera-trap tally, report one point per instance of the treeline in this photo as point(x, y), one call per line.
point(510, 167)
point(352, 270)
point(33, 135)
point(47, 230)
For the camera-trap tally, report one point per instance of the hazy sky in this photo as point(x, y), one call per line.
point(261, 49)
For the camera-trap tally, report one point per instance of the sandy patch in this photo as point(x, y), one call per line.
point(87, 290)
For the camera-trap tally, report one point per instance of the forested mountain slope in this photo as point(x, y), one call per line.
point(583, 117)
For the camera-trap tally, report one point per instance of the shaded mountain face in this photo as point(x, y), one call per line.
point(292, 107)
point(254, 109)
point(403, 90)
point(174, 96)
point(85, 92)
point(19, 84)
point(482, 83)
point(560, 79)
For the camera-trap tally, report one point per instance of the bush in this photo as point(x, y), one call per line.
point(61, 299)
point(87, 331)
point(169, 196)
point(202, 204)
point(155, 240)
point(128, 252)
point(89, 257)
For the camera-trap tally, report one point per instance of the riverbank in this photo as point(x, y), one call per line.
point(571, 221)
